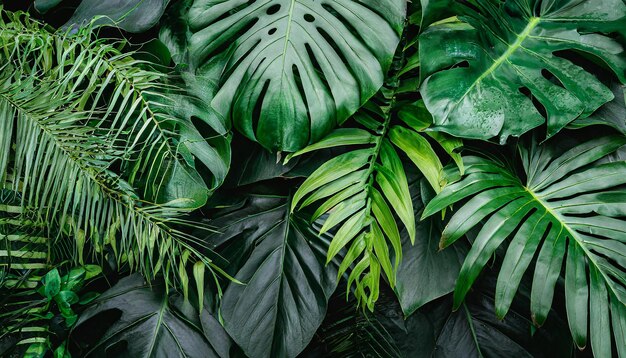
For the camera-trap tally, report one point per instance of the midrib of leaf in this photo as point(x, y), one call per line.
point(521, 37)
point(116, 196)
point(287, 37)
point(112, 68)
point(287, 223)
point(573, 234)
point(470, 323)
point(379, 141)
point(158, 325)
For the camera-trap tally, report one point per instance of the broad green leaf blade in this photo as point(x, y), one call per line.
point(43, 6)
point(334, 169)
point(150, 324)
point(547, 270)
point(599, 323)
point(512, 45)
point(338, 137)
point(355, 251)
point(451, 145)
point(577, 294)
point(281, 260)
point(131, 15)
point(387, 223)
point(517, 259)
point(394, 185)
point(421, 154)
point(346, 233)
point(474, 330)
point(381, 250)
point(494, 232)
point(476, 209)
point(618, 317)
point(336, 200)
point(426, 273)
point(579, 211)
point(356, 178)
point(344, 210)
point(479, 177)
point(579, 156)
point(295, 69)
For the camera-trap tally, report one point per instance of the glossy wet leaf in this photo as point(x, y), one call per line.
point(510, 49)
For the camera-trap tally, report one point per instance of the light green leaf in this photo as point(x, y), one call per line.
point(421, 154)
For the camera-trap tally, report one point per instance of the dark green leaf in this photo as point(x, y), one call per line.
point(130, 15)
point(570, 202)
point(148, 324)
point(52, 283)
point(44, 5)
point(280, 258)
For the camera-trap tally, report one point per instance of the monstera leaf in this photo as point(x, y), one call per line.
point(571, 207)
point(511, 50)
point(294, 69)
point(146, 322)
point(280, 258)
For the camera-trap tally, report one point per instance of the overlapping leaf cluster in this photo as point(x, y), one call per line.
point(424, 157)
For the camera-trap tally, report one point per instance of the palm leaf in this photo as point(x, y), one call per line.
point(99, 146)
point(24, 255)
point(570, 207)
point(365, 189)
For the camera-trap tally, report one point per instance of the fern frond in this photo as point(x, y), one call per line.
point(101, 143)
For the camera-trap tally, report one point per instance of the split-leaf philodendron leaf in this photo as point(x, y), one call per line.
point(516, 53)
point(294, 69)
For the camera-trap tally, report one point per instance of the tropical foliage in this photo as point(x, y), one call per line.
point(341, 178)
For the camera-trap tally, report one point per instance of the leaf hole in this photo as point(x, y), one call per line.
point(588, 62)
point(233, 67)
point(526, 92)
point(273, 9)
point(202, 127)
point(337, 49)
point(272, 31)
point(309, 17)
point(551, 77)
point(197, 26)
point(226, 43)
point(298, 79)
point(317, 67)
point(344, 22)
point(258, 106)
